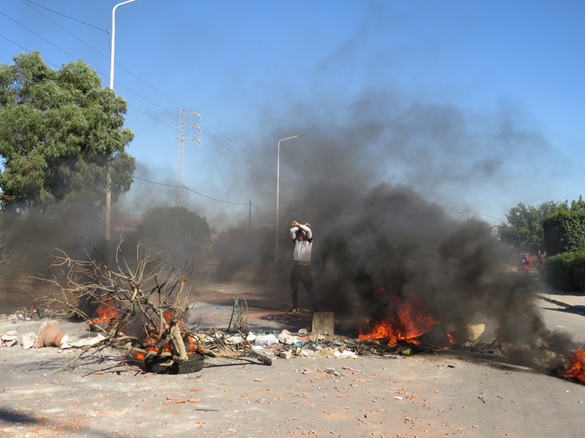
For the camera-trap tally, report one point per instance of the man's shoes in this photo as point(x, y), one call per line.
point(294, 310)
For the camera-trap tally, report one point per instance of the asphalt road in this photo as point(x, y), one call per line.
point(451, 393)
point(564, 312)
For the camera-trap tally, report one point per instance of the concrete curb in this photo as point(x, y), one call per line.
point(556, 302)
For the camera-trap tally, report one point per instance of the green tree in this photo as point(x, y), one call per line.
point(572, 207)
point(565, 271)
point(564, 229)
point(61, 133)
point(180, 235)
point(525, 225)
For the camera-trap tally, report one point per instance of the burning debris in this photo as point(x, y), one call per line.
point(108, 314)
point(422, 281)
point(139, 307)
point(407, 322)
point(287, 345)
point(401, 263)
point(574, 366)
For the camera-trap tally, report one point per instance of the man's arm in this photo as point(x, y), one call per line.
point(307, 230)
point(294, 229)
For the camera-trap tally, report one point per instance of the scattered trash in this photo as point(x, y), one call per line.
point(235, 340)
point(9, 339)
point(286, 354)
point(87, 342)
point(29, 340)
point(267, 340)
point(346, 354)
point(285, 337)
point(50, 335)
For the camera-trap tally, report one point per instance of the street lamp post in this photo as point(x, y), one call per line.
point(108, 175)
point(278, 179)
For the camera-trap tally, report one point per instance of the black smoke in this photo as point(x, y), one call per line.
point(383, 181)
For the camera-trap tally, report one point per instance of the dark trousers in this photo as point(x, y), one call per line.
point(302, 274)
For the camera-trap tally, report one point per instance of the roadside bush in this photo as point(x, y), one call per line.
point(177, 234)
point(564, 232)
point(236, 248)
point(565, 271)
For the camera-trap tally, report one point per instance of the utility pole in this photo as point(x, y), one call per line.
point(108, 170)
point(181, 164)
point(198, 116)
point(278, 178)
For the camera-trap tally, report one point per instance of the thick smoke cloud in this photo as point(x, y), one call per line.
point(380, 177)
point(394, 240)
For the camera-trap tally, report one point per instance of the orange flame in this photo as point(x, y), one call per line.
point(575, 369)
point(149, 343)
point(191, 344)
point(408, 323)
point(450, 337)
point(106, 312)
point(168, 315)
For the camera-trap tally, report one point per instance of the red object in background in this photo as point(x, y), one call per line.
point(526, 262)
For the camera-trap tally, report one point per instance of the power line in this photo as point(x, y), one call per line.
point(15, 43)
point(61, 27)
point(100, 73)
point(221, 145)
point(63, 15)
point(123, 68)
point(129, 105)
point(468, 211)
point(190, 190)
point(100, 53)
point(41, 37)
point(485, 215)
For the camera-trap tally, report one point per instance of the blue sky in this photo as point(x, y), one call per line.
point(477, 105)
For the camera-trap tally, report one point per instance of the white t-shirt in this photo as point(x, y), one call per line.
point(302, 250)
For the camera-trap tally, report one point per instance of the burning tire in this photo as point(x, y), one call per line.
point(166, 365)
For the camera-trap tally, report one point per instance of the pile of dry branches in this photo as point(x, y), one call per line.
point(139, 305)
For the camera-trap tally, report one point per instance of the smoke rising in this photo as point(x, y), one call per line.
point(380, 177)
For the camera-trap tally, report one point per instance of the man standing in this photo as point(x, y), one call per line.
point(302, 237)
point(525, 262)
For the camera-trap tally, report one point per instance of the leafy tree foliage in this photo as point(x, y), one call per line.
point(564, 232)
point(565, 271)
point(563, 220)
point(182, 236)
point(61, 133)
point(525, 225)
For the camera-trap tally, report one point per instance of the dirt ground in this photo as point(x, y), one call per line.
point(448, 393)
